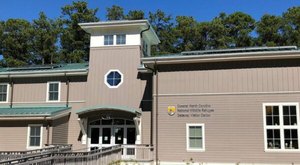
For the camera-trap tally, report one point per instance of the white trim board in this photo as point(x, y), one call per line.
point(28, 137)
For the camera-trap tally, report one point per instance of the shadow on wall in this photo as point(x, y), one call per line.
point(146, 102)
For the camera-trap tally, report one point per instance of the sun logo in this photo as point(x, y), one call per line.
point(171, 110)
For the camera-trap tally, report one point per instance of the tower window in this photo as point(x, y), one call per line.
point(108, 39)
point(121, 39)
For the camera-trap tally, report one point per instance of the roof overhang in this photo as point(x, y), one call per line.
point(141, 25)
point(33, 113)
point(271, 55)
point(108, 107)
point(81, 72)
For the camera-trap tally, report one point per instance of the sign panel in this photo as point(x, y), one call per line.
point(191, 110)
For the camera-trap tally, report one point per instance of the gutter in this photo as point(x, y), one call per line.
point(222, 57)
point(81, 72)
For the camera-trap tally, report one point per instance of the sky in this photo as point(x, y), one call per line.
point(201, 10)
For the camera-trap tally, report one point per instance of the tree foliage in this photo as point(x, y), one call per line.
point(135, 15)
point(74, 41)
point(115, 13)
point(16, 45)
point(269, 30)
point(164, 28)
point(291, 29)
point(46, 41)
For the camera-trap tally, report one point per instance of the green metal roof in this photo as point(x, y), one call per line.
point(223, 52)
point(45, 68)
point(108, 107)
point(32, 111)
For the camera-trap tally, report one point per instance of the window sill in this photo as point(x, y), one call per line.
point(34, 148)
point(2, 102)
point(283, 150)
point(52, 101)
point(195, 150)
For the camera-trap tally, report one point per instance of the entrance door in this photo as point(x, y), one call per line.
point(119, 135)
point(106, 136)
point(131, 137)
point(106, 133)
point(95, 132)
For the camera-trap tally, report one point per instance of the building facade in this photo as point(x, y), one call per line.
point(234, 106)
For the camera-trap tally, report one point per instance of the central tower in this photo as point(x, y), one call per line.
point(116, 113)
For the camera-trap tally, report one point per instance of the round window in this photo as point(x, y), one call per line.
point(113, 78)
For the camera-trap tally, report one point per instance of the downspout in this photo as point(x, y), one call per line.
point(12, 92)
point(48, 133)
point(141, 36)
point(153, 72)
point(156, 113)
point(68, 89)
point(45, 123)
point(151, 120)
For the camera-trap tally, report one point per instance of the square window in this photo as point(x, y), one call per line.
point(195, 137)
point(108, 39)
point(121, 39)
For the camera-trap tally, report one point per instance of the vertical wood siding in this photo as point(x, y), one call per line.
point(126, 60)
point(13, 135)
point(233, 133)
point(34, 90)
point(60, 130)
point(230, 81)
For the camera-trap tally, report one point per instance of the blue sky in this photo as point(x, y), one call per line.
point(201, 10)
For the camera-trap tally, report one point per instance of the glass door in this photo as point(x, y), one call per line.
point(119, 135)
point(131, 137)
point(95, 132)
point(106, 135)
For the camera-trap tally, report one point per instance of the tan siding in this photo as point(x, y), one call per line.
point(77, 91)
point(125, 59)
point(34, 90)
point(74, 134)
point(146, 127)
point(13, 136)
point(234, 80)
point(60, 130)
point(234, 132)
point(37, 92)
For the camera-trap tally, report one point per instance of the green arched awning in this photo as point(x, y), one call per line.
point(108, 107)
